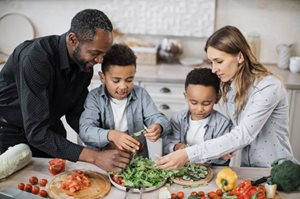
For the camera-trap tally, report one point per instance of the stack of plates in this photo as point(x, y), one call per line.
point(190, 61)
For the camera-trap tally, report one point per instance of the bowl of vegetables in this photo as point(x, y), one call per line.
point(141, 173)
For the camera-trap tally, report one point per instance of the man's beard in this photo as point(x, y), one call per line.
point(79, 61)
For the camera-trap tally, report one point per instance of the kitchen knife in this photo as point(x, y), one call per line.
point(14, 193)
point(259, 181)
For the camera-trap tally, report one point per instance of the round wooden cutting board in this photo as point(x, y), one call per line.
point(99, 187)
point(208, 178)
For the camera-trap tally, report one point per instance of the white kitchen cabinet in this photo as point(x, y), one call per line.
point(294, 95)
point(167, 96)
point(169, 107)
point(165, 90)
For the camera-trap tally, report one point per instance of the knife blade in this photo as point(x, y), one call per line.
point(14, 193)
point(5, 196)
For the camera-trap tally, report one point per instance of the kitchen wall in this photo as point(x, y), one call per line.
point(276, 21)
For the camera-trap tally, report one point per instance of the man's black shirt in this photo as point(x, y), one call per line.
point(39, 85)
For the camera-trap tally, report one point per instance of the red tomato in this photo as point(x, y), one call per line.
point(43, 182)
point(43, 193)
point(33, 180)
point(173, 196)
point(213, 195)
point(28, 188)
point(21, 186)
point(194, 193)
point(56, 166)
point(201, 193)
point(180, 195)
point(219, 192)
point(118, 180)
point(35, 189)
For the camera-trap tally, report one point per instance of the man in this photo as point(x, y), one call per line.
point(47, 78)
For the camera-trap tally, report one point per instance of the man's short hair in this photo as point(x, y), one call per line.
point(85, 23)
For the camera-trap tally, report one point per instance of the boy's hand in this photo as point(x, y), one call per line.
point(179, 146)
point(123, 141)
point(153, 132)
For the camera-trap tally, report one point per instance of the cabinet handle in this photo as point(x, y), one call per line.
point(165, 90)
point(164, 107)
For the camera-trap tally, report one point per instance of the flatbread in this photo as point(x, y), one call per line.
point(209, 177)
point(100, 186)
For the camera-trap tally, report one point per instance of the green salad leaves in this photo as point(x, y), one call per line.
point(142, 173)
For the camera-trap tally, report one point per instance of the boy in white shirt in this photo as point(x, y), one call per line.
point(119, 108)
point(200, 121)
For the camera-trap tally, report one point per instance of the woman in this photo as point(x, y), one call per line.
point(257, 104)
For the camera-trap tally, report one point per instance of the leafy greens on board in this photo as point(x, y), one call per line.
point(142, 173)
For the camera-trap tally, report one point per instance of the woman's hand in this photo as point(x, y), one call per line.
point(172, 161)
point(153, 132)
point(123, 141)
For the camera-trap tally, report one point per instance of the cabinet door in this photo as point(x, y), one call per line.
point(294, 122)
point(169, 107)
point(164, 90)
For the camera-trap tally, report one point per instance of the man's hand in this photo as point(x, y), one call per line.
point(123, 141)
point(172, 161)
point(109, 160)
point(153, 132)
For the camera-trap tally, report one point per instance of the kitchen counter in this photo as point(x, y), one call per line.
point(38, 167)
point(176, 73)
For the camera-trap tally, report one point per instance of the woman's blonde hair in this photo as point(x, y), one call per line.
point(230, 40)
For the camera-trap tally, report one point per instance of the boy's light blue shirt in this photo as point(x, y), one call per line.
point(216, 126)
point(97, 118)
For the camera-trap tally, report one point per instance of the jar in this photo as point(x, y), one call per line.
point(284, 52)
point(254, 43)
point(294, 64)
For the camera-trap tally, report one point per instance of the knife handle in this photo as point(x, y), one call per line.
point(260, 180)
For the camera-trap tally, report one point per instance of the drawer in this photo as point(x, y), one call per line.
point(169, 107)
point(164, 90)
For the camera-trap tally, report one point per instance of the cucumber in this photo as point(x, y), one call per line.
point(186, 178)
point(14, 159)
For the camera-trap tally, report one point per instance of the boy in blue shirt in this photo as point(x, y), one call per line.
point(118, 108)
point(200, 121)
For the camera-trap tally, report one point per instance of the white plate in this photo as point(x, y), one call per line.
point(190, 61)
point(135, 190)
point(14, 29)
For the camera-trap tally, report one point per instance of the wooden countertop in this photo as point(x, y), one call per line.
point(38, 167)
point(176, 73)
